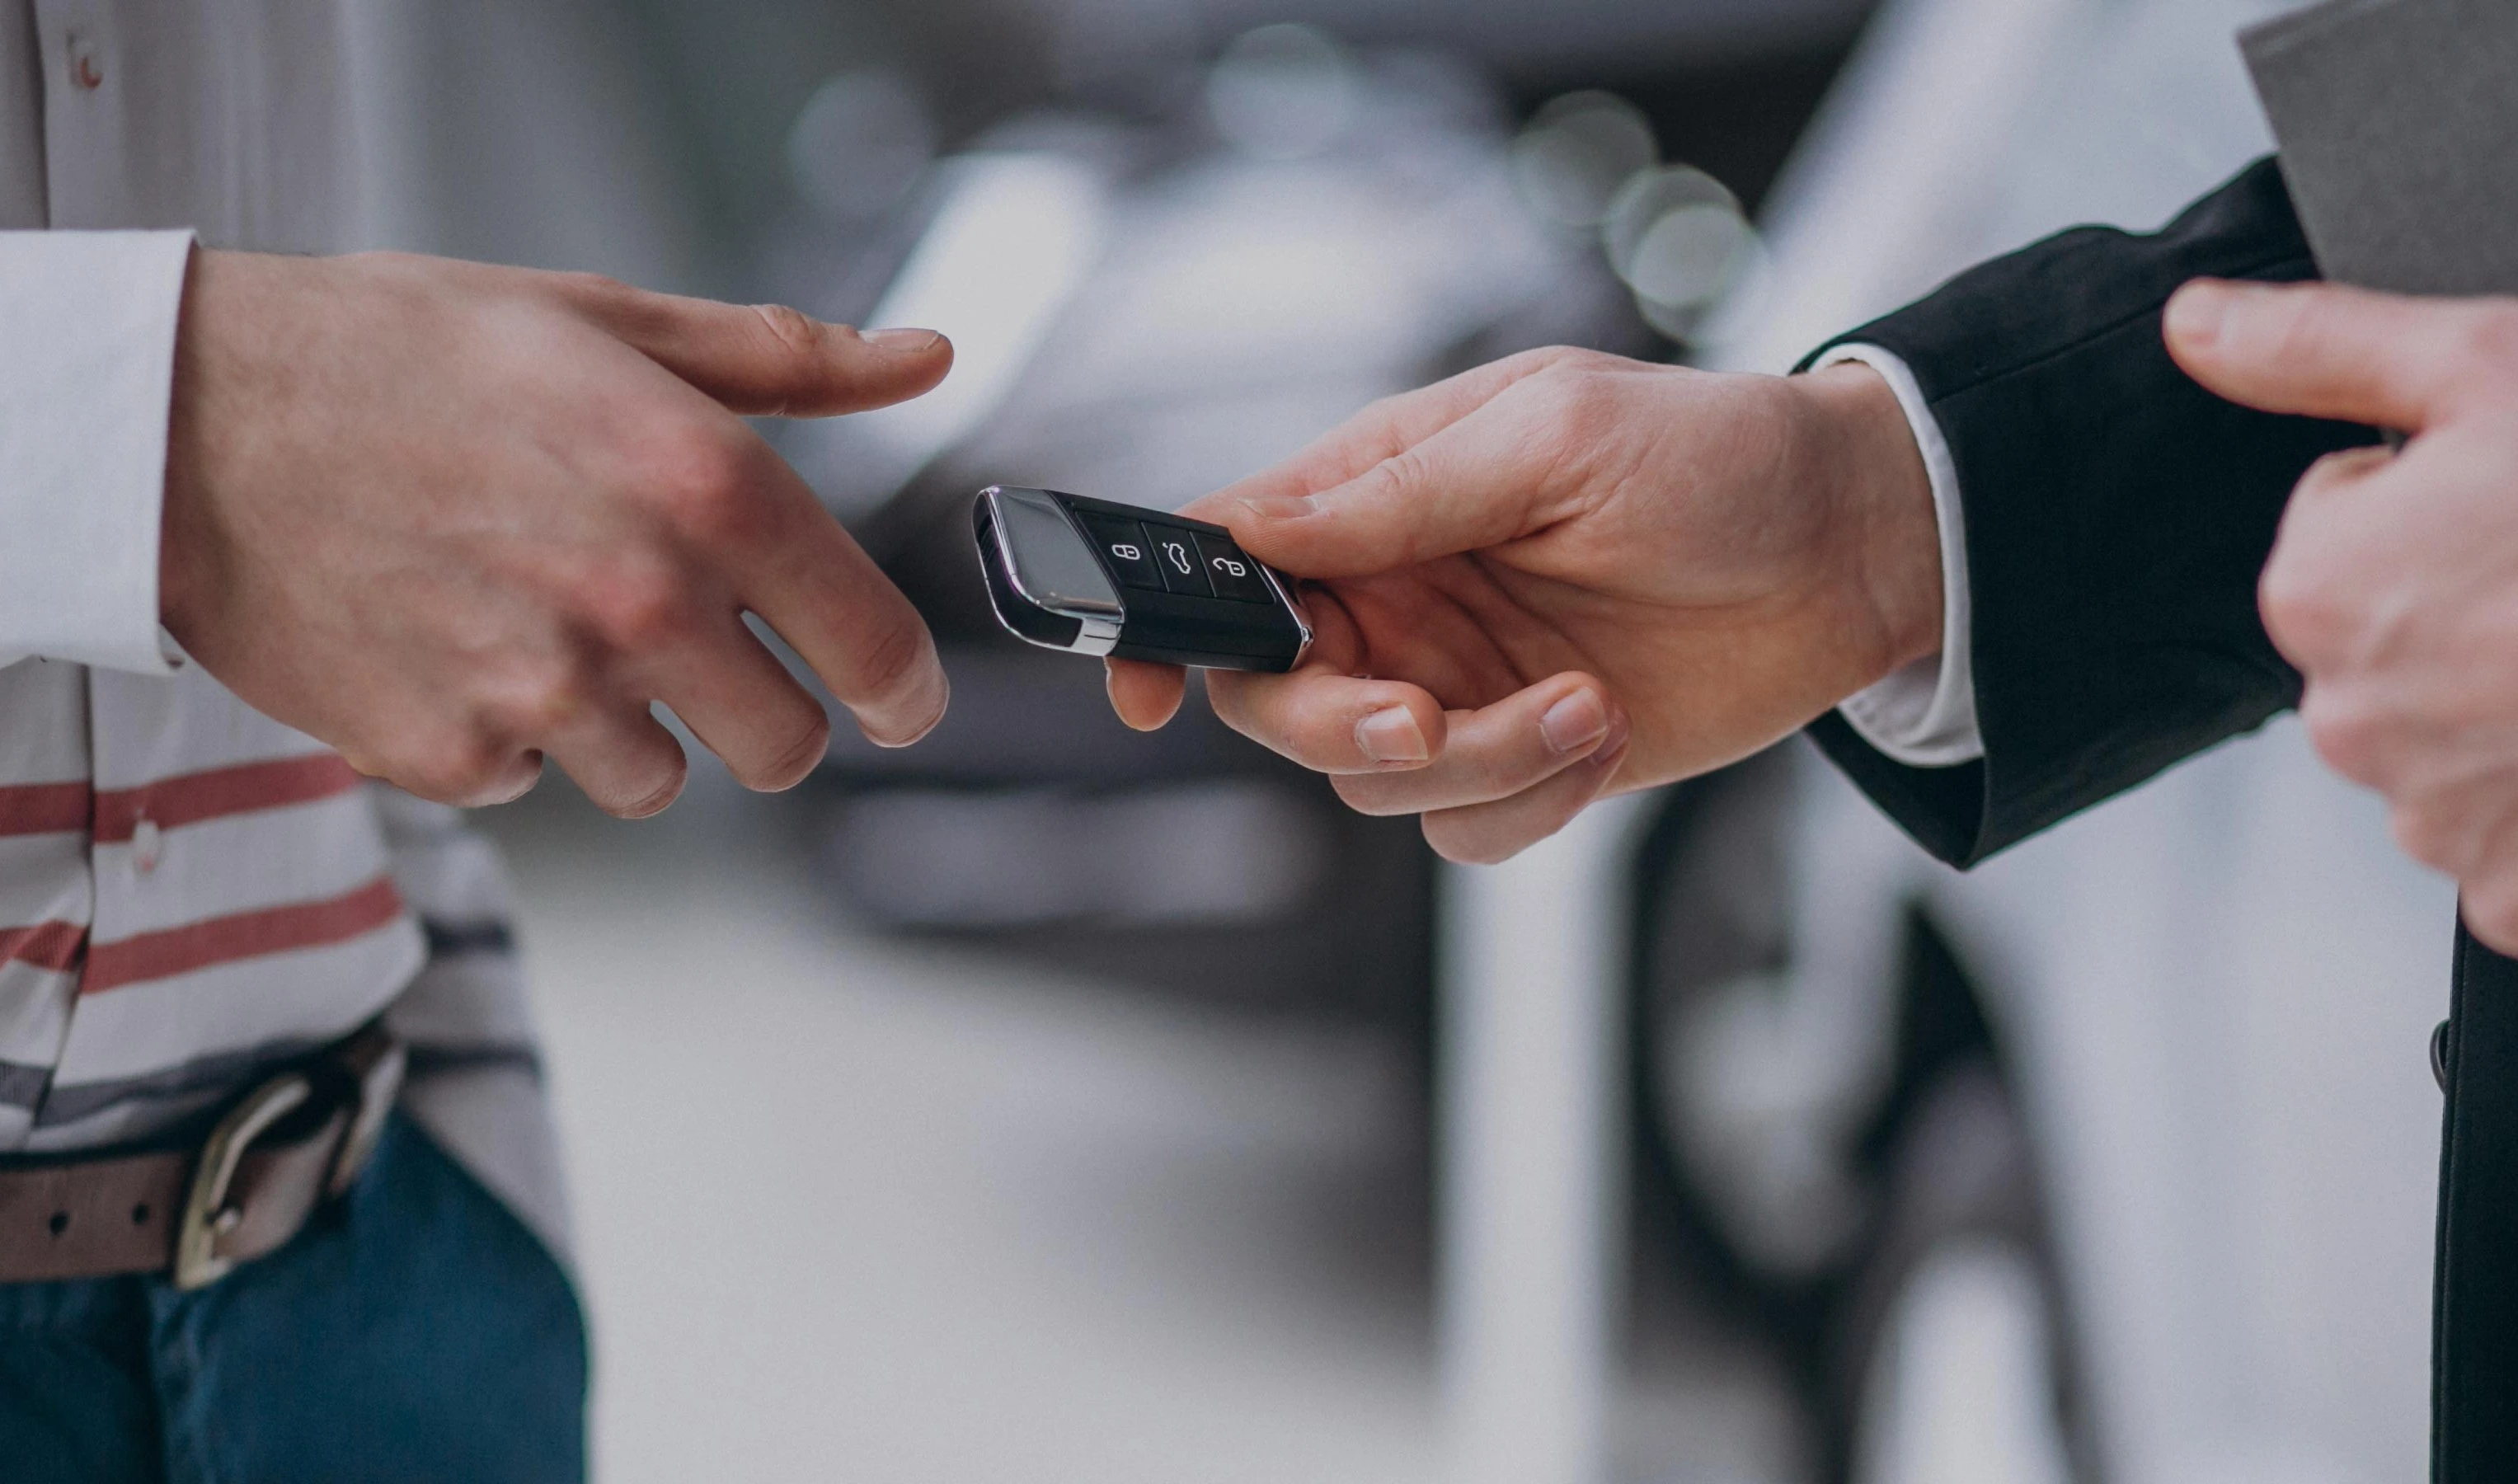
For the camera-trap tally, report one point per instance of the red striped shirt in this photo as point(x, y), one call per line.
point(109, 815)
point(45, 945)
point(215, 941)
point(44, 809)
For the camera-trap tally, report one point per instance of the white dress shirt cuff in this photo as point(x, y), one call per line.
point(1924, 715)
point(87, 359)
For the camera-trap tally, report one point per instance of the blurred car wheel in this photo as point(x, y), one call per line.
point(1952, 1361)
point(1835, 1153)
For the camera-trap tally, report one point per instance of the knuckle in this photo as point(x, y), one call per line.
point(2303, 614)
point(634, 604)
point(597, 293)
point(2498, 933)
point(1597, 368)
point(1520, 366)
point(2352, 739)
point(1566, 391)
point(2429, 835)
point(702, 481)
point(1559, 359)
point(2491, 906)
point(1580, 405)
point(795, 349)
point(1398, 478)
point(2491, 337)
point(1543, 360)
point(790, 332)
point(463, 766)
point(538, 702)
point(2299, 327)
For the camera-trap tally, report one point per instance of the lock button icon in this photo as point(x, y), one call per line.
point(1125, 551)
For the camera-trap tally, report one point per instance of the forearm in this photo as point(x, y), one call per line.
point(2117, 516)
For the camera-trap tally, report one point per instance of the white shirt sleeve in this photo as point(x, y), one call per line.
point(1924, 715)
point(87, 359)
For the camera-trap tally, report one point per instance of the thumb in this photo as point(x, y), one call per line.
point(767, 360)
point(2323, 350)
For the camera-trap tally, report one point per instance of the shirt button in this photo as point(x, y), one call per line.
point(87, 70)
point(148, 845)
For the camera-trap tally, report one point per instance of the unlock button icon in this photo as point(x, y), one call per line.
point(1235, 575)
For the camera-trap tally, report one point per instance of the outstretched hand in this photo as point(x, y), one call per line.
point(2394, 583)
point(451, 518)
point(1568, 574)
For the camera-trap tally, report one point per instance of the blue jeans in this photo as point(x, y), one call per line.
point(413, 1330)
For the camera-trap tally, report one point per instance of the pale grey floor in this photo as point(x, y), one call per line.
point(854, 1209)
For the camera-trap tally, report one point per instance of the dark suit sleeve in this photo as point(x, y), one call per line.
point(2118, 517)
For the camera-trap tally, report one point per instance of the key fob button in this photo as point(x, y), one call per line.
point(1177, 556)
point(1234, 575)
point(1125, 551)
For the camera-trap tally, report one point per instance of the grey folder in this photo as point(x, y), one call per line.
point(2399, 128)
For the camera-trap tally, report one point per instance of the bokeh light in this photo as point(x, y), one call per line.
point(1284, 92)
point(1576, 152)
point(859, 143)
point(1678, 238)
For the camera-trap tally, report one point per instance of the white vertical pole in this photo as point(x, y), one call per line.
point(386, 57)
point(1532, 1155)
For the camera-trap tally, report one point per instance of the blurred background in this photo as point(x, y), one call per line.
point(1051, 1103)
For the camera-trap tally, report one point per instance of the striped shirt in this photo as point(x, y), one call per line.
point(190, 892)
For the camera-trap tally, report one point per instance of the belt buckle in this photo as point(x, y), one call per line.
point(361, 1075)
point(372, 1062)
point(207, 1216)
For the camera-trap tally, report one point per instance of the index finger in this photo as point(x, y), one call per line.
point(1377, 433)
point(1471, 483)
point(2324, 350)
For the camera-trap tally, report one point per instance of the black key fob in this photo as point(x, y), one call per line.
point(1089, 577)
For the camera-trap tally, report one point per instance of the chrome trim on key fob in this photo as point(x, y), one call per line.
point(1083, 576)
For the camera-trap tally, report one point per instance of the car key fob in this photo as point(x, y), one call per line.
point(1091, 577)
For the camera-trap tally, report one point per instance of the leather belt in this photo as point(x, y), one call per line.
point(296, 1140)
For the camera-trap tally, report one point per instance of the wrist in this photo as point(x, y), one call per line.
point(187, 533)
point(1885, 549)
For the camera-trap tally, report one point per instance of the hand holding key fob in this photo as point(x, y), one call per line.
point(1091, 577)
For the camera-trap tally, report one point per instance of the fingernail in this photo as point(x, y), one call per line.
point(1575, 722)
point(902, 342)
point(1392, 736)
point(2197, 313)
point(1279, 506)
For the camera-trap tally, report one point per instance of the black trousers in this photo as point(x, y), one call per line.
point(2474, 1308)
